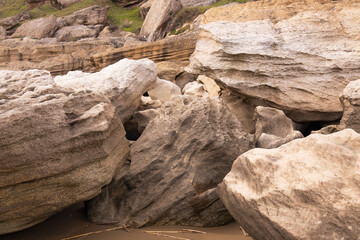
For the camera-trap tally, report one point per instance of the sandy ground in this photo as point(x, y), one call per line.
point(73, 222)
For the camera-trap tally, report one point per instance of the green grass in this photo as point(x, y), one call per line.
point(11, 7)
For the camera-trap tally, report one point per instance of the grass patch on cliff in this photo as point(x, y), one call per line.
point(11, 7)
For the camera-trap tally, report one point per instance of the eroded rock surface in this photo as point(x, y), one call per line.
point(297, 56)
point(184, 152)
point(38, 28)
point(306, 189)
point(57, 147)
point(351, 103)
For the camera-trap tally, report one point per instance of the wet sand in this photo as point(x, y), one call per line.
point(73, 222)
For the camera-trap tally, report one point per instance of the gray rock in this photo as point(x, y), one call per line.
point(182, 155)
point(38, 28)
point(306, 189)
point(196, 3)
point(63, 3)
point(94, 15)
point(58, 147)
point(74, 33)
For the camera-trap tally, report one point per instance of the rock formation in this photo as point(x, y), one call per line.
point(123, 83)
point(94, 15)
point(2, 33)
point(283, 54)
point(38, 28)
point(11, 22)
point(184, 152)
point(351, 103)
point(57, 147)
point(76, 32)
point(306, 189)
point(196, 3)
point(164, 90)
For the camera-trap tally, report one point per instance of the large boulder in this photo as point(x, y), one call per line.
point(94, 15)
point(58, 147)
point(306, 189)
point(297, 56)
point(123, 83)
point(38, 28)
point(183, 153)
point(74, 33)
point(161, 11)
point(164, 90)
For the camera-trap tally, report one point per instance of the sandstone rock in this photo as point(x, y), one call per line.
point(123, 83)
point(306, 189)
point(210, 85)
point(164, 90)
point(143, 118)
point(195, 89)
point(11, 22)
point(350, 99)
point(38, 28)
point(273, 128)
point(148, 103)
point(94, 15)
point(176, 163)
point(2, 33)
point(58, 147)
point(145, 8)
point(76, 32)
point(156, 20)
point(184, 78)
point(196, 3)
point(169, 70)
point(63, 3)
point(283, 54)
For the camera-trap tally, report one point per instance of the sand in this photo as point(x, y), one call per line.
point(73, 222)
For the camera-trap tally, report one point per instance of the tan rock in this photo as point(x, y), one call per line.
point(169, 70)
point(2, 33)
point(283, 54)
point(196, 3)
point(74, 33)
point(350, 99)
point(145, 8)
point(94, 15)
point(38, 28)
point(306, 189)
point(58, 147)
point(195, 89)
point(164, 90)
point(156, 20)
point(184, 152)
point(210, 85)
point(63, 3)
point(12, 21)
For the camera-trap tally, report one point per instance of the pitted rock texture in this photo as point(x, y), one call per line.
point(181, 156)
point(306, 189)
point(57, 147)
point(38, 28)
point(297, 56)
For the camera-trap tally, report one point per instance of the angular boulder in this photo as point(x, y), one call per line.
point(306, 189)
point(57, 147)
point(161, 11)
point(181, 156)
point(296, 56)
point(123, 83)
point(63, 3)
point(38, 28)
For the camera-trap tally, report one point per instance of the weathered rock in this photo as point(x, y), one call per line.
point(38, 28)
point(145, 8)
point(184, 78)
point(283, 54)
point(123, 83)
point(164, 90)
point(2, 33)
point(143, 118)
point(169, 70)
point(127, 3)
point(63, 3)
point(74, 33)
point(11, 22)
point(147, 103)
point(157, 18)
point(176, 163)
point(306, 189)
point(94, 15)
point(210, 85)
point(273, 128)
point(350, 99)
point(195, 89)
point(196, 3)
point(57, 147)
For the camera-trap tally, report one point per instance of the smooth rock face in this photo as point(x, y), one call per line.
point(306, 189)
point(123, 83)
point(38, 28)
point(196, 3)
point(164, 90)
point(57, 147)
point(76, 32)
point(351, 103)
point(156, 20)
point(284, 54)
point(273, 128)
point(182, 155)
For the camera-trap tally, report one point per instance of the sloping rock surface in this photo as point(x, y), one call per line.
point(182, 155)
point(38, 28)
point(294, 55)
point(57, 147)
point(306, 189)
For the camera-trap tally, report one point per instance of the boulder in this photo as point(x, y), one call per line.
point(181, 156)
point(161, 11)
point(94, 15)
point(145, 8)
point(123, 83)
point(63, 3)
point(2, 33)
point(196, 3)
point(74, 33)
point(164, 90)
point(12, 21)
point(273, 128)
point(350, 100)
point(58, 147)
point(38, 28)
point(305, 189)
point(195, 89)
point(283, 54)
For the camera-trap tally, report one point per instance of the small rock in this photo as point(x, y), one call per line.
point(164, 90)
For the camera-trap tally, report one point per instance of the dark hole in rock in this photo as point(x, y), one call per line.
point(146, 94)
point(307, 128)
point(131, 128)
